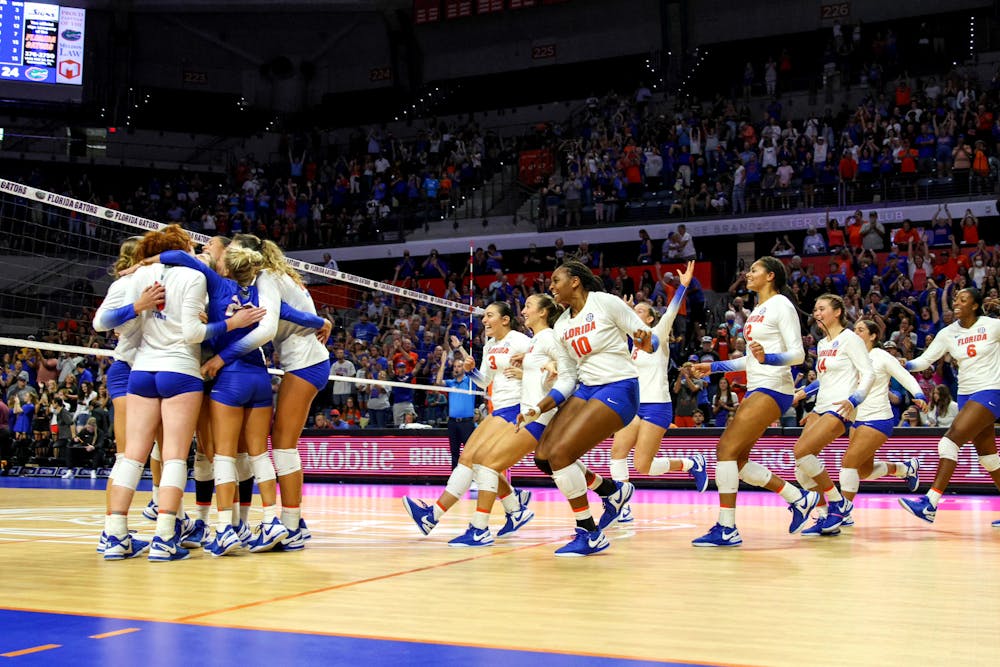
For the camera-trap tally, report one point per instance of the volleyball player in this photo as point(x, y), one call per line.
point(540, 312)
point(115, 313)
point(774, 343)
point(844, 377)
point(655, 413)
point(973, 342)
point(306, 362)
point(594, 329)
point(170, 340)
point(873, 422)
point(502, 343)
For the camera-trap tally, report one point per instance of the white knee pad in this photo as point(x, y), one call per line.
point(263, 469)
point(755, 474)
point(810, 464)
point(127, 473)
point(244, 470)
point(571, 481)
point(850, 481)
point(619, 470)
point(947, 449)
point(155, 454)
point(286, 461)
point(990, 462)
point(175, 474)
point(459, 481)
point(203, 468)
point(225, 470)
point(804, 480)
point(488, 479)
point(727, 476)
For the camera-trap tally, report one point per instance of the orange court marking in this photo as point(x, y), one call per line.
point(26, 651)
point(114, 633)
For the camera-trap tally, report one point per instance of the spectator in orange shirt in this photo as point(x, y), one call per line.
point(853, 229)
point(970, 228)
point(848, 170)
point(905, 234)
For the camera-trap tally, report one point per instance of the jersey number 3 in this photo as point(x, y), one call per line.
point(581, 346)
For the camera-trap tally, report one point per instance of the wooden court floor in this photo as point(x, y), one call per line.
point(890, 591)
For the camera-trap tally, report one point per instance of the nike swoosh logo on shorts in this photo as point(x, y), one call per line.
point(612, 401)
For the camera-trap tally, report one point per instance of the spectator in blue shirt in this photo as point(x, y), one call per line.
point(364, 329)
point(461, 407)
point(337, 422)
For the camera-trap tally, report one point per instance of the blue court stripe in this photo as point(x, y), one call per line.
point(154, 643)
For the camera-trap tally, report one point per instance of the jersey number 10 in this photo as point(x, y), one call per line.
point(581, 346)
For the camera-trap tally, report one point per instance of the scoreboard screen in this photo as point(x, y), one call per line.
point(41, 42)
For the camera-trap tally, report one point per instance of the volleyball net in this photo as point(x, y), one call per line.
point(56, 254)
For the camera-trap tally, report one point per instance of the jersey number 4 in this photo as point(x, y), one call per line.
point(822, 365)
point(581, 346)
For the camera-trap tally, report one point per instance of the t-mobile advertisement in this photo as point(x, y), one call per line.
point(367, 454)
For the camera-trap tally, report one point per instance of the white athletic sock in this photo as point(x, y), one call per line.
point(900, 470)
point(790, 493)
point(686, 463)
point(935, 497)
point(659, 466)
point(235, 514)
point(438, 510)
point(225, 519)
point(881, 469)
point(481, 519)
point(511, 503)
point(156, 494)
point(165, 525)
point(117, 525)
point(727, 516)
point(619, 470)
point(270, 513)
point(290, 517)
point(245, 512)
point(203, 511)
point(833, 494)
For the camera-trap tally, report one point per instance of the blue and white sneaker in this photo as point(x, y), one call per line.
point(626, 515)
point(195, 534)
point(816, 529)
point(151, 511)
point(244, 533)
point(523, 498)
point(912, 474)
point(294, 541)
point(303, 529)
point(102, 543)
point(515, 520)
point(584, 544)
point(848, 521)
point(128, 547)
point(719, 536)
point(839, 510)
point(421, 513)
point(224, 543)
point(161, 550)
point(614, 504)
point(801, 509)
point(267, 536)
point(920, 508)
point(996, 524)
point(473, 537)
point(699, 473)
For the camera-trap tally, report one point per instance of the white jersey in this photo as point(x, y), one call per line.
point(844, 371)
point(535, 383)
point(171, 337)
point(654, 386)
point(976, 350)
point(596, 339)
point(129, 333)
point(506, 391)
point(886, 367)
point(297, 346)
point(774, 324)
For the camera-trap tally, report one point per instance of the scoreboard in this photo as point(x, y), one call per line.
point(41, 42)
